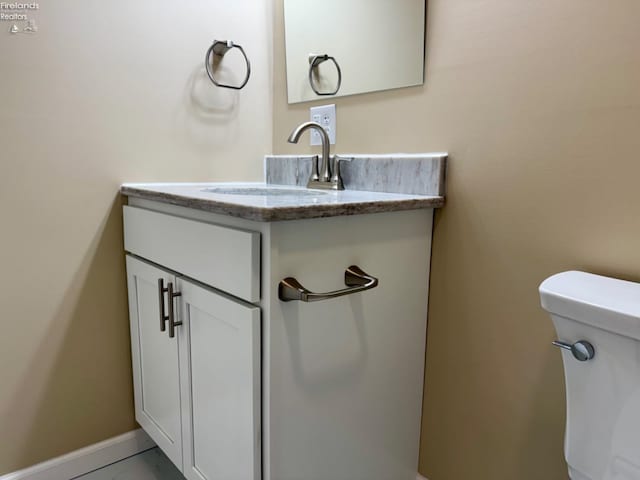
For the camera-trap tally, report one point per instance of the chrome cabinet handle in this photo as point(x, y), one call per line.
point(581, 350)
point(163, 317)
point(357, 280)
point(172, 314)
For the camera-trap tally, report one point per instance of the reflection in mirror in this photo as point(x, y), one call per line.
point(375, 45)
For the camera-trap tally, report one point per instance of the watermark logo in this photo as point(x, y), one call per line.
point(30, 27)
point(19, 6)
point(20, 15)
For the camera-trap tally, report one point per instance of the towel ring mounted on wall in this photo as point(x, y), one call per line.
point(218, 49)
point(314, 62)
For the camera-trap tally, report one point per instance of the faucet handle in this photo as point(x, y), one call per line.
point(315, 170)
point(336, 178)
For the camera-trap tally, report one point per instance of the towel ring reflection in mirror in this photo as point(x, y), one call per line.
point(218, 49)
point(314, 63)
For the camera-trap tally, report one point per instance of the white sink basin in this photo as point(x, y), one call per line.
point(265, 191)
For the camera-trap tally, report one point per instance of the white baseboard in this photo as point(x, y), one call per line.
point(86, 459)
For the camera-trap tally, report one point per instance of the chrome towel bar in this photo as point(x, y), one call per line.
point(357, 280)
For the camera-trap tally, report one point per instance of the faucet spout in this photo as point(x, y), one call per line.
point(326, 147)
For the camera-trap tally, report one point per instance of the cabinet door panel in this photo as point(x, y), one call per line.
point(344, 380)
point(222, 384)
point(155, 360)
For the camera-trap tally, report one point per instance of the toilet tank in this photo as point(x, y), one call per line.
point(602, 438)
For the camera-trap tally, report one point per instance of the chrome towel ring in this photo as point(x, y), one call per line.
point(218, 49)
point(314, 62)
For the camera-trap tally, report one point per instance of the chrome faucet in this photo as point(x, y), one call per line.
point(325, 179)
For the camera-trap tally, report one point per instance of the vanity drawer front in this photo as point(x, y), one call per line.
point(225, 258)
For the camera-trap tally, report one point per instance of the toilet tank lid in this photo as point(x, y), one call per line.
point(606, 303)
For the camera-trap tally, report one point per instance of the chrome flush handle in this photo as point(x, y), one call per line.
point(581, 350)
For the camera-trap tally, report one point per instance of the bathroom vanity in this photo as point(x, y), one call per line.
point(278, 333)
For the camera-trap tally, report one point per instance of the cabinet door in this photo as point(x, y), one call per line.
point(220, 357)
point(155, 359)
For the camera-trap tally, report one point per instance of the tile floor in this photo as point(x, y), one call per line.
point(149, 465)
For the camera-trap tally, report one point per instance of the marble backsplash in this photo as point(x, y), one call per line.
point(416, 174)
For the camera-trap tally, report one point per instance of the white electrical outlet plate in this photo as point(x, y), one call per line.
point(325, 115)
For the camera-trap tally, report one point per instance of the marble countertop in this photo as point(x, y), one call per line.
point(300, 203)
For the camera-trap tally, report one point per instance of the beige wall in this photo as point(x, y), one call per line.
point(538, 104)
point(104, 93)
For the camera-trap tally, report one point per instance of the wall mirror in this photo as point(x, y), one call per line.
point(343, 47)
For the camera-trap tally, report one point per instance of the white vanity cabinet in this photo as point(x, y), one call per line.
point(196, 365)
point(253, 387)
